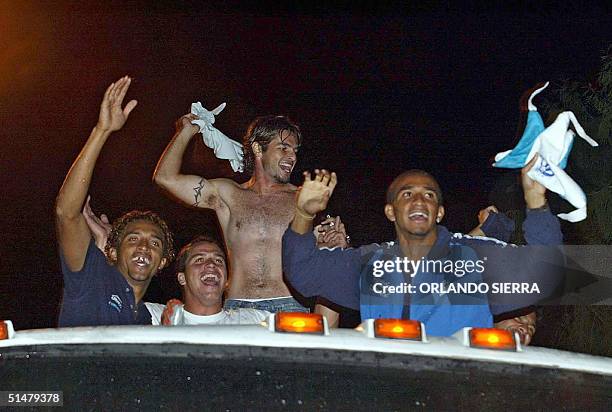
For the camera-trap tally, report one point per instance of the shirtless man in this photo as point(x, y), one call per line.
point(252, 215)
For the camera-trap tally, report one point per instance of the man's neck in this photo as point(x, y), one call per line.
point(262, 182)
point(415, 247)
point(139, 288)
point(201, 309)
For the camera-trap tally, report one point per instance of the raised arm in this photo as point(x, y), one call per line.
point(537, 264)
point(72, 231)
point(332, 274)
point(540, 227)
point(190, 189)
point(312, 198)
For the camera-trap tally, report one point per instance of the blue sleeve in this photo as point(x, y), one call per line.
point(541, 227)
point(498, 226)
point(74, 282)
point(537, 263)
point(332, 274)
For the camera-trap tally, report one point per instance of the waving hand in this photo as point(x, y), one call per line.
point(315, 193)
point(112, 116)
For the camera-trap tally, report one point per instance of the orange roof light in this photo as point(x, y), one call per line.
point(491, 338)
point(4, 333)
point(299, 322)
point(6, 329)
point(398, 329)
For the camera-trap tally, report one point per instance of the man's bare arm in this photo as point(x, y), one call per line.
point(72, 231)
point(191, 189)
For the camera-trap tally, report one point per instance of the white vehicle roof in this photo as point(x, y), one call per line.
point(337, 339)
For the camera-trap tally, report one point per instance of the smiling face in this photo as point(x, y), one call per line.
point(204, 278)
point(414, 205)
point(280, 156)
point(260, 134)
point(140, 252)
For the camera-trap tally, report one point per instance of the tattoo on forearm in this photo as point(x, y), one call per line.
point(197, 192)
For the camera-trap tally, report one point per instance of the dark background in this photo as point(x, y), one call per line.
point(376, 90)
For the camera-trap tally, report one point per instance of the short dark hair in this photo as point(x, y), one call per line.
point(117, 232)
point(183, 255)
point(262, 130)
point(392, 190)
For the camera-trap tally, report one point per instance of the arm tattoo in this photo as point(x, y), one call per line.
point(197, 192)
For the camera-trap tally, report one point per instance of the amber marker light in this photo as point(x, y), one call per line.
point(6, 329)
point(299, 322)
point(4, 334)
point(491, 338)
point(398, 329)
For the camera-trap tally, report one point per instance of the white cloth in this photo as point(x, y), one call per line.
point(553, 145)
point(180, 316)
point(223, 146)
point(556, 180)
point(156, 310)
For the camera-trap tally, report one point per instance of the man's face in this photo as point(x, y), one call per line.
point(141, 251)
point(416, 205)
point(205, 276)
point(280, 157)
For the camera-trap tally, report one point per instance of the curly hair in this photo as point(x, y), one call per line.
point(117, 232)
point(262, 130)
point(183, 254)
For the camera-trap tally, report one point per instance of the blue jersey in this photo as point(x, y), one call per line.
point(99, 295)
point(349, 277)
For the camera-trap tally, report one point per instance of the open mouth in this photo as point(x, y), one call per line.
point(209, 279)
point(418, 216)
point(141, 261)
point(286, 166)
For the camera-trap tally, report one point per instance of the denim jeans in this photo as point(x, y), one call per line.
point(271, 305)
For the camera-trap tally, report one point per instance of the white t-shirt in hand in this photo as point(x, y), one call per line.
point(180, 316)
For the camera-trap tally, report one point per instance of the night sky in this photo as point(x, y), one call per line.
point(376, 91)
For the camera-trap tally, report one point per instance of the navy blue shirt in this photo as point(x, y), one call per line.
point(343, 276)
point(99, 295)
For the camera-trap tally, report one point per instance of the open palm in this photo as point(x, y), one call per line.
point(112, 116)
point(315, 193)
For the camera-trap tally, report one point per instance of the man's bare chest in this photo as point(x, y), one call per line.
point(258, 215)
